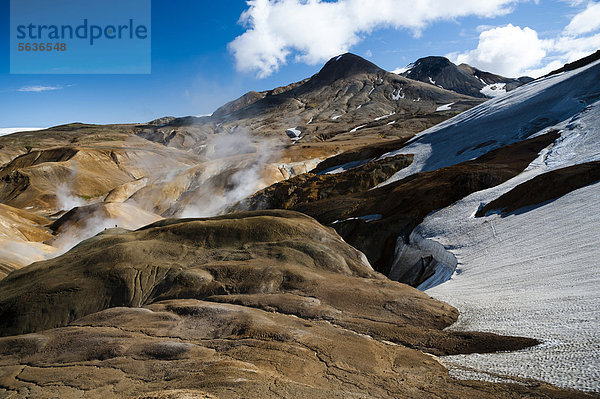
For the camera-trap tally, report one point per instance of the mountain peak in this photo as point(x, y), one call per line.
point(427, 67)
point(345, 65)
point(463, 79)
point(434, 59)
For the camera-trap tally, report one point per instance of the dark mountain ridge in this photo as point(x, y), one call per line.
point(463, 79)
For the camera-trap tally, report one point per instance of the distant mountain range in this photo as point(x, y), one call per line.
point(463, 79)
point(348, 97)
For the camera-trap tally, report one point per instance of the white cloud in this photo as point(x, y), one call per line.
point(316, 30)
point(574, 48)
point(507, 50)
point(586, 21)
point(573, 3)
point(514, 51)
point(38, 89)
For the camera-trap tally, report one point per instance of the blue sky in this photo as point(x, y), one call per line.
point(196, 68)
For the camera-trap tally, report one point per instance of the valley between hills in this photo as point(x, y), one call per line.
point(359, 233)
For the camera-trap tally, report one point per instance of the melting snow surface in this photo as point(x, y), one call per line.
point(336, 117)
point(534, 272)
point(446, 107)
point(531, 274)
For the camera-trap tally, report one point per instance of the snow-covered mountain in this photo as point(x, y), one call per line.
point(530, 269)
point(463, 79)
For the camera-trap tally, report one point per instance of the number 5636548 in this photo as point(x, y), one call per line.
point(42, 46)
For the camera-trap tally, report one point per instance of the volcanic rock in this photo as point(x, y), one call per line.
point(463, 79)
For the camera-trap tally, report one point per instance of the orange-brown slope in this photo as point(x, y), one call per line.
point(263, 304)
point(21, 237)
point(268, 259)
point(190, 348)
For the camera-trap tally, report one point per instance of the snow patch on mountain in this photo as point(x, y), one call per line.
point(294, 134)
point(10, 130)
point(384, 116)
point(446, 107)
point(357, 128)
point(397, 94)
point(366, 218)
point(494, 90)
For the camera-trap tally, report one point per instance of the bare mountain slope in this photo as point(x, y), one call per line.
point(464, 79)
point(349, 96)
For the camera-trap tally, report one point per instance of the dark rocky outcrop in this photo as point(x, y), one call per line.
point(309, 187)
point(577, 64)
point(363, 153)
point(544, 188)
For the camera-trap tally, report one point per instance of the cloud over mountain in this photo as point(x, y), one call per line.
point(314, 30)
point(515, 51)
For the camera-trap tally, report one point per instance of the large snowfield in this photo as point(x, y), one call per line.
point(534, 272)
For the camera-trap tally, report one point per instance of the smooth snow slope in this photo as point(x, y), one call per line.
point(502, 120)
point(533, 273)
